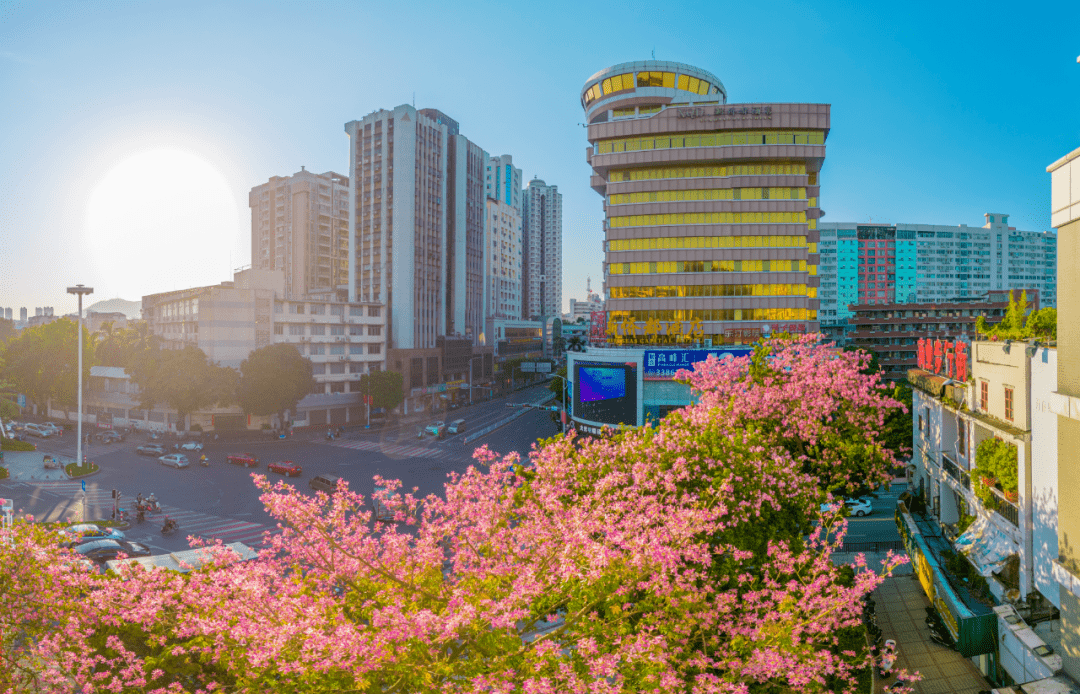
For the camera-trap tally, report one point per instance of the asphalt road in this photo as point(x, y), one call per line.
point(879, 526)
point(221, 501)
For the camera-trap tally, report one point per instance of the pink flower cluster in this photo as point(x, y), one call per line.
point(643, 562)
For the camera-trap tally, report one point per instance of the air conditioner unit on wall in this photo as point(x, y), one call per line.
point(341, 358)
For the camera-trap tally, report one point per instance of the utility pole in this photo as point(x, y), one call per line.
point(80, 290)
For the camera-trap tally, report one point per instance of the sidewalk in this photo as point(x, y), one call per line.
point(900, 614)
point(27, 466)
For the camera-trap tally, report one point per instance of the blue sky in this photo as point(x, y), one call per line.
point(939, 112)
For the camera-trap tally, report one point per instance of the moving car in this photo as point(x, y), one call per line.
point(325, 482)
point(110, 436)
point(856, 507)
point(87, 532)
point(456, 427)
point(191, 446)
point(245, 459)
point(53, 427)
point(285, 467)
point(39, 431)
point(176, 460)
point(104, 550)
point(153, 449)
point(436, 429)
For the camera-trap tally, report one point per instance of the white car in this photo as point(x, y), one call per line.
point(191, 446)
point(436, 429)
point(176, 460)
point(39, 431)
point(855, 507)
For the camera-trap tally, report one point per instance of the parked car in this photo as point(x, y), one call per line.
point(324, 482)
point(436, 429)
point(456, 427)
point(86, 532)
point(176, 460)
point(110, 436)
point(191, 446)
point(39, 431)
point(153, 449)
point(104, 550)
point(244, 459)
point(285, 467)
point(855, 507)
point(54, 428)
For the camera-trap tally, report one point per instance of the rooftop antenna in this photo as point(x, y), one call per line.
point(654, 53)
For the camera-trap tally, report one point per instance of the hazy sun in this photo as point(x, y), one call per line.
point(161, 220)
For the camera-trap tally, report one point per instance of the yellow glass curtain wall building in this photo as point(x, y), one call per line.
point(712, 139)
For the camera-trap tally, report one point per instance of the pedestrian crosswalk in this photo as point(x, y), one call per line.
point(99, 504)
point(389, 449)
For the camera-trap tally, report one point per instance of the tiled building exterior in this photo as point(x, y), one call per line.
point(503, 181)
point(927, 263)
point(503, 260)
point(711, 208)
point(299, 224)
point(541, 250)
point(467, 221)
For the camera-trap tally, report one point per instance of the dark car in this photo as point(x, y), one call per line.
point(105, 550)
point(110, 436)
point(245, 459)
point(326, 483)
point(153, 449)
point(285, 467)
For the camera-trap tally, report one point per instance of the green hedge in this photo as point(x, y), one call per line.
point(74, 470)
point(13, 445)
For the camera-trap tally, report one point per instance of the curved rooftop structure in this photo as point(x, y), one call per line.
point(651, 84)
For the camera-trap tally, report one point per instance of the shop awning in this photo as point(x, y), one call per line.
point(986, 547)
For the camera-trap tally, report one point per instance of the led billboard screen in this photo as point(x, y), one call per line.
point(605, 392)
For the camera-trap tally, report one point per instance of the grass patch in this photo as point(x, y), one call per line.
point(3, 473)
point(74, 470)
point(13, 445)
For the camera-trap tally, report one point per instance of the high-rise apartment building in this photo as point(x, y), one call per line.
point(503, 260)
point(299, 224)
point(22, 314)
point(711, 208)
point(926, 263)
point(418, 215)
point(541, 263)
point(503, 181)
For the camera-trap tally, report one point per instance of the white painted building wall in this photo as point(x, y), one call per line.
point(1044, 472)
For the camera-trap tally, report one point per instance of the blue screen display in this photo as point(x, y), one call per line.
point(601, 383)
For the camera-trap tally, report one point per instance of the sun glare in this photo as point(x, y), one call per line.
point(161, 220)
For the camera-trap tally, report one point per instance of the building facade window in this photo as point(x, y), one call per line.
point(1008, 403)
point(296, 330)
point(961, 442)
point(984, 396)
point(373, 312)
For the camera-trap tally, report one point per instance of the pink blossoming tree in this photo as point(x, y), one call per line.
point(626, 564)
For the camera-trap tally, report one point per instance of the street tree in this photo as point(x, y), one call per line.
point(274, 379)
point(385, 388)
point(42, 362)
point(618, 564)
point(184, 380)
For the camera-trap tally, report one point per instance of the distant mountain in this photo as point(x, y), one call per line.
point(131, 309)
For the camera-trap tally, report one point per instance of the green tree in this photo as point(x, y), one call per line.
point(386, 388)
point(274, 379)
point(109, 345)
point(42, 362)
point(185, 381)
point(7, 330)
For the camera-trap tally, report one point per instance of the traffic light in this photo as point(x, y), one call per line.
point(115, 495)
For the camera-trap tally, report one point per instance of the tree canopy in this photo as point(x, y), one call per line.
point(634, 562)
point(42, 362)
point(386, 388)
point(184, 380)
point(274, 379)
point(1018, 324)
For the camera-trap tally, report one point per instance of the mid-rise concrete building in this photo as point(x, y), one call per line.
point(711, 208)
point(892, 331)
point(22, 314)
point(927, 263)
point(541, 264)
point(299, 225)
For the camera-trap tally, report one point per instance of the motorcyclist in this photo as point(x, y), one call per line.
point(202, 459)
point(141, 516)
point(169, 525)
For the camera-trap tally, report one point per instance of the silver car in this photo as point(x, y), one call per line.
point(176, 460)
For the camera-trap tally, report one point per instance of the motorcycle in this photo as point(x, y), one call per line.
point(941, 640)
point(169, 527)
point(204, 461)
point(140, 516)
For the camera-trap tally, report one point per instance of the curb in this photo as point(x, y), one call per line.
point(501, 423)
point(89, 474)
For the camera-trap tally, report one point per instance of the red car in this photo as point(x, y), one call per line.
point(285, 467)
point(245, 459)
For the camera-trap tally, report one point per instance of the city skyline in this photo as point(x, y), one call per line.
point(229, 97)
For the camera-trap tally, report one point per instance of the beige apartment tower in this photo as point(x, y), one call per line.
point(711, 208)
point(299, 224)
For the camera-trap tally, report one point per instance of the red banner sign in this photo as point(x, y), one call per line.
point(943, 357)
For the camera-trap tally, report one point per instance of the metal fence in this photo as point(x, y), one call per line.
point(883, 546)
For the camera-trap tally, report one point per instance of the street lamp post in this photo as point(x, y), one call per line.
point(80, 290)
